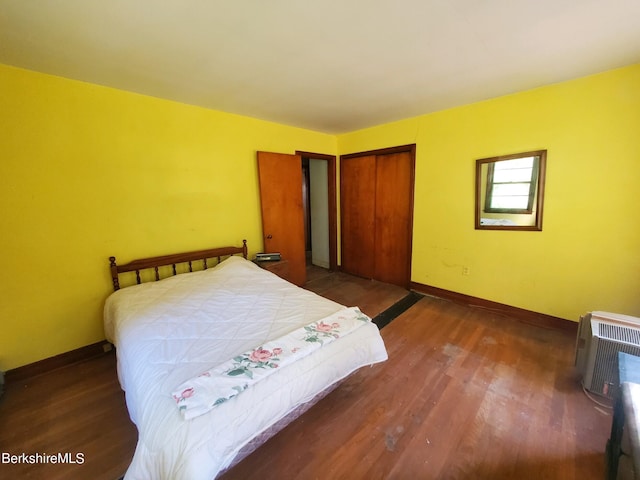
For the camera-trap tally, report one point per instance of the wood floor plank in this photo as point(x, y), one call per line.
point(74, 410)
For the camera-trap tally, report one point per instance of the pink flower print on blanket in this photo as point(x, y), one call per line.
point(318, 331)
point(259, 358)
point(224, 381)
point(186, 393)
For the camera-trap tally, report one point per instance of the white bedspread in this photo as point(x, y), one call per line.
point(170, 331)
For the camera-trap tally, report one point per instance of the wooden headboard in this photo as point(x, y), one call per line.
point(173, 260)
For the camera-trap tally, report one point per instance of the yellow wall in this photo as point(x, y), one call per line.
point(588, 255)
point(88, 172)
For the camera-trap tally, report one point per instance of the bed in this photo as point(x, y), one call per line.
point(182, 336)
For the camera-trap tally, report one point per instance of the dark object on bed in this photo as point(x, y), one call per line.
point(173, 260)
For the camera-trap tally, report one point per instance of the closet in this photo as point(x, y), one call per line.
point(376, 207)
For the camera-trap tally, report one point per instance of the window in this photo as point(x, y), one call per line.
point(510, 191)
point(511, 185)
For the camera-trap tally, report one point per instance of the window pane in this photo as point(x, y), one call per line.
point(519, 202)
point(524, 162)
point(511, 189)
point(512, 175)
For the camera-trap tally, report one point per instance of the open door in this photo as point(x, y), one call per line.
point(280, 178)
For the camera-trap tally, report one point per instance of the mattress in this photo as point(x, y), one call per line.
point(170, 331)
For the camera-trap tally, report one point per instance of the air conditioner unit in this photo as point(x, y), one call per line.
point(601, 336)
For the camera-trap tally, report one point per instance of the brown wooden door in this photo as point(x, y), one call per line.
point(280, 178)
point(376, 192)
point(393, 218)
point(357, 219)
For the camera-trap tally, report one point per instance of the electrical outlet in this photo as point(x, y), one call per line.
point(465, 270)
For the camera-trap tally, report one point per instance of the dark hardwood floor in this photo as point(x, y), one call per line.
point(371, 296)
point(78, 410)
point(465, 394)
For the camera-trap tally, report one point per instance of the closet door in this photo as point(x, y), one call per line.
point(393, 218)
point(377, 214)
point(357, 201)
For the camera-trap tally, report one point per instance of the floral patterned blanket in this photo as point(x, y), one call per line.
point(220, 384)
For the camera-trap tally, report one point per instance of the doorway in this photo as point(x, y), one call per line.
point(319, 209)
point(315, 194)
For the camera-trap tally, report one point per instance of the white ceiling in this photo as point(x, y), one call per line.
point(328, 65)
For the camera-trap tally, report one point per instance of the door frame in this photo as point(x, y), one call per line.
point(333, 204)
point(411, 149)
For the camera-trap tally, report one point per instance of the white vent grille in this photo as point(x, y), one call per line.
point(618, 332)
point(608, 339)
